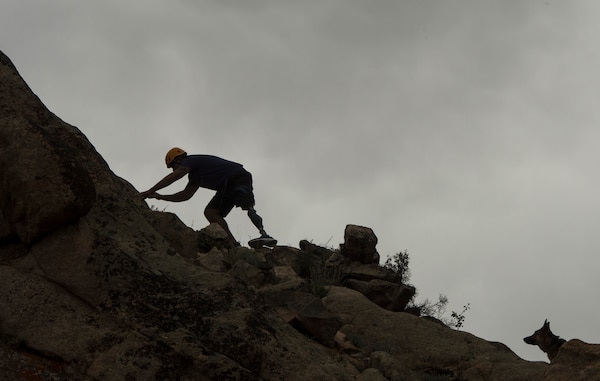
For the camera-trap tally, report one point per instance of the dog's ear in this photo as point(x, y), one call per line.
point(546, 323)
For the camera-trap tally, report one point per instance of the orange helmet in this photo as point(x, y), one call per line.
point(172, 154)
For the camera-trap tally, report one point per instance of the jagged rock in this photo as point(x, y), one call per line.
point(295, 303)
point(388, 295)
point(284, 274)
point(575, 355)
point(311, 259)
point(298, 307)
point(251, 275)
point(287, 256)
point(211, 236)
point(307, 261)
point(318, 251)
point(321, 265)
point(368, 272)
point(181, 237)
point(213, 260)
point(307, 314)
point(259, 258)
point(337, 260)
point(381, 285)
point(359, 244)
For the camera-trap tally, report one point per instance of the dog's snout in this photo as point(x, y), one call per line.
point(529, 340)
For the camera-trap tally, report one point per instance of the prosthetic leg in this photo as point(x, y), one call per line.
point(264, 239)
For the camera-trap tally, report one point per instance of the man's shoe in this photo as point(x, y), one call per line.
point(263, 240)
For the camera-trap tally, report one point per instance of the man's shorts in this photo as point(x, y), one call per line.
point(238, 192)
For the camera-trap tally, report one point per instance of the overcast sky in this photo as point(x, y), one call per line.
point(464, 132)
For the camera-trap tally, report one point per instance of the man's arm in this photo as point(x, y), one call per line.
point(166, 181)
point(184, 195)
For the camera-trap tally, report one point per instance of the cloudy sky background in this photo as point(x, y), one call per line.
point(465, 132)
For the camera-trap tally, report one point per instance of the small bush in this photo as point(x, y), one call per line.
point(459, 318)
point(433, 309)
point(398, 263)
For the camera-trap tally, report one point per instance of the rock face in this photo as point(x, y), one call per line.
point(576, 360)
point(96, 286)
point(43, 182)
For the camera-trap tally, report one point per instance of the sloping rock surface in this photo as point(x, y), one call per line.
point(44, 182)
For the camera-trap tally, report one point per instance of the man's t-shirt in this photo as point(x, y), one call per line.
point(209, 171)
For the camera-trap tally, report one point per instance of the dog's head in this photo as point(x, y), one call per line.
point(546, 340)
point(540, 336)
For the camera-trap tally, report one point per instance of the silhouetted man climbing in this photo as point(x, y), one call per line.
point(231, 181)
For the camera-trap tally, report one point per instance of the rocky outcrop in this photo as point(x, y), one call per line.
point(403, 346)
point(576, 360)
point(96, 286)
point(360, 244)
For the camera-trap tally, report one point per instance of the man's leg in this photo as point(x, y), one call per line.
point(264, 239)
point(214, 215)
point(244, 198)
point(257, 221)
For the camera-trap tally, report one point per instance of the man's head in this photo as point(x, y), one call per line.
point(174, 156)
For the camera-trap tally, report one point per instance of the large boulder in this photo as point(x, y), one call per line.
point(212, 236)
point(403, 346)
point(576, 360)
point(388, 295)
point(307, 314)
point(213, 260)
point(359, 244)
point(181, 237)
